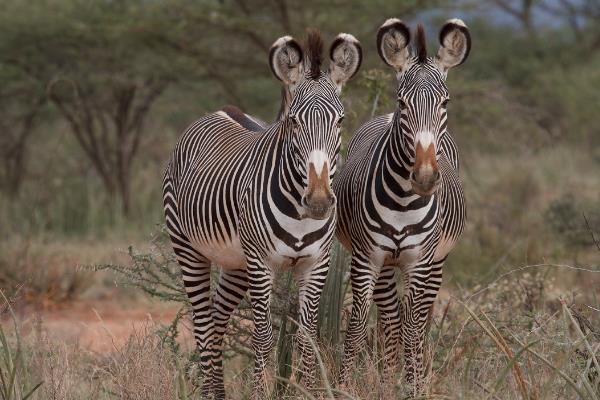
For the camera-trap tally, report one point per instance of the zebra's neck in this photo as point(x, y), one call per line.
point(394, 164)
point(286, 184)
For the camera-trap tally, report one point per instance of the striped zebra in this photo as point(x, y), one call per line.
point(255, 200)
point(400, 199)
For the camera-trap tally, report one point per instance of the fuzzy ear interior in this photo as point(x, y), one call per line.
point(455, 45)
point(346, 57)
point(285, 59)
point(393, 38)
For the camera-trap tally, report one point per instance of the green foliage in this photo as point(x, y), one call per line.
point(332, 300)
point(565, 217)
point(523, 111)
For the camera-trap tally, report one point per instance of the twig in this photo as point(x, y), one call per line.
point(526, 267)
point(551, 366)
point(581, 334)
point(587, 223)
point(488, 391)
point(499, 340)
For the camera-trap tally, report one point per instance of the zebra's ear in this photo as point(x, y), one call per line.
point(393, 38)
point(346, 57)
point(285, 59)
point(455, 45)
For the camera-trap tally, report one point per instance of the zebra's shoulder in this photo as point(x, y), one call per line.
point(368, 132)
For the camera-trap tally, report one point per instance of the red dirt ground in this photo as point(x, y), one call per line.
point(98, 326)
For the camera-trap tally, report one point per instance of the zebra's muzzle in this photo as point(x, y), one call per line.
point(425, 184)
point(318, 200)
point(425, 177)
point(318, 207)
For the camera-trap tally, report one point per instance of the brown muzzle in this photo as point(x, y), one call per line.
point(318, 199)
point(425, 177)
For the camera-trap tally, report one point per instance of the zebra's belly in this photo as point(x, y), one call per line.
point(229, 255)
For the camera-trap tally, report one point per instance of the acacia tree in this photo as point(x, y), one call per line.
point(98, 70)
point(230, 40)
point(105, 64)
point(21, 103)
point(109, 126)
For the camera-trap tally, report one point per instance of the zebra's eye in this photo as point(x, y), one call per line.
point(294, 119)
point(402, 104)
point(339, 121)
point(445, 103)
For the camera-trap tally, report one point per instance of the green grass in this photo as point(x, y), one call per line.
point(15, 381)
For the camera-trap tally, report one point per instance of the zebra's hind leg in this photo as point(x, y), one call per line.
point(311, 284)
point(231, 289)
point(195, 269)
point(386, 297)
point(363, 276)
point(260, 282)
point(422, 283)
point(196, 279)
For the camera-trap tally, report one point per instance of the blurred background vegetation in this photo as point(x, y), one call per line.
point(93, 95)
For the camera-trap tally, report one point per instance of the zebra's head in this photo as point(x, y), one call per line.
point(312, 111)
point(422, 92)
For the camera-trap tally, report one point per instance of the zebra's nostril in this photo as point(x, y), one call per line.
point(303, 201)
point(331, 200)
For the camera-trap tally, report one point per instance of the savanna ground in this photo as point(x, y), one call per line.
point(84, 316)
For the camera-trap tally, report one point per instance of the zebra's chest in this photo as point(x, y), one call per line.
point(301, 245)
point(403, 236)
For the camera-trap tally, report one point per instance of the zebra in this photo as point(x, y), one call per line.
point(254, 200)
point(400, 200)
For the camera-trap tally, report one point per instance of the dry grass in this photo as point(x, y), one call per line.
point(533, 333)
point(48, 273)
point(522, 337)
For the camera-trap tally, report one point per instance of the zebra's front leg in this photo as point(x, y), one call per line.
point(422, 283)
point(260, 281)
point(231, 289)
point(386, 297)
point(363, 276)
point(311, 283)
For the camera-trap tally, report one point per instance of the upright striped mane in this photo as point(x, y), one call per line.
point(420, 44)
point(314, 50)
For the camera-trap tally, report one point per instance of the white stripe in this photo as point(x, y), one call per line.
point(319, 159)
point(425, 138)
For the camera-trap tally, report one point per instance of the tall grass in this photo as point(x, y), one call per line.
point(503, 341)
point(78, 205)
point(15, 381)
point(331, 306)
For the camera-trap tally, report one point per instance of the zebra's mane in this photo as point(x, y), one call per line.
point(420, 44)
point(314, 50)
